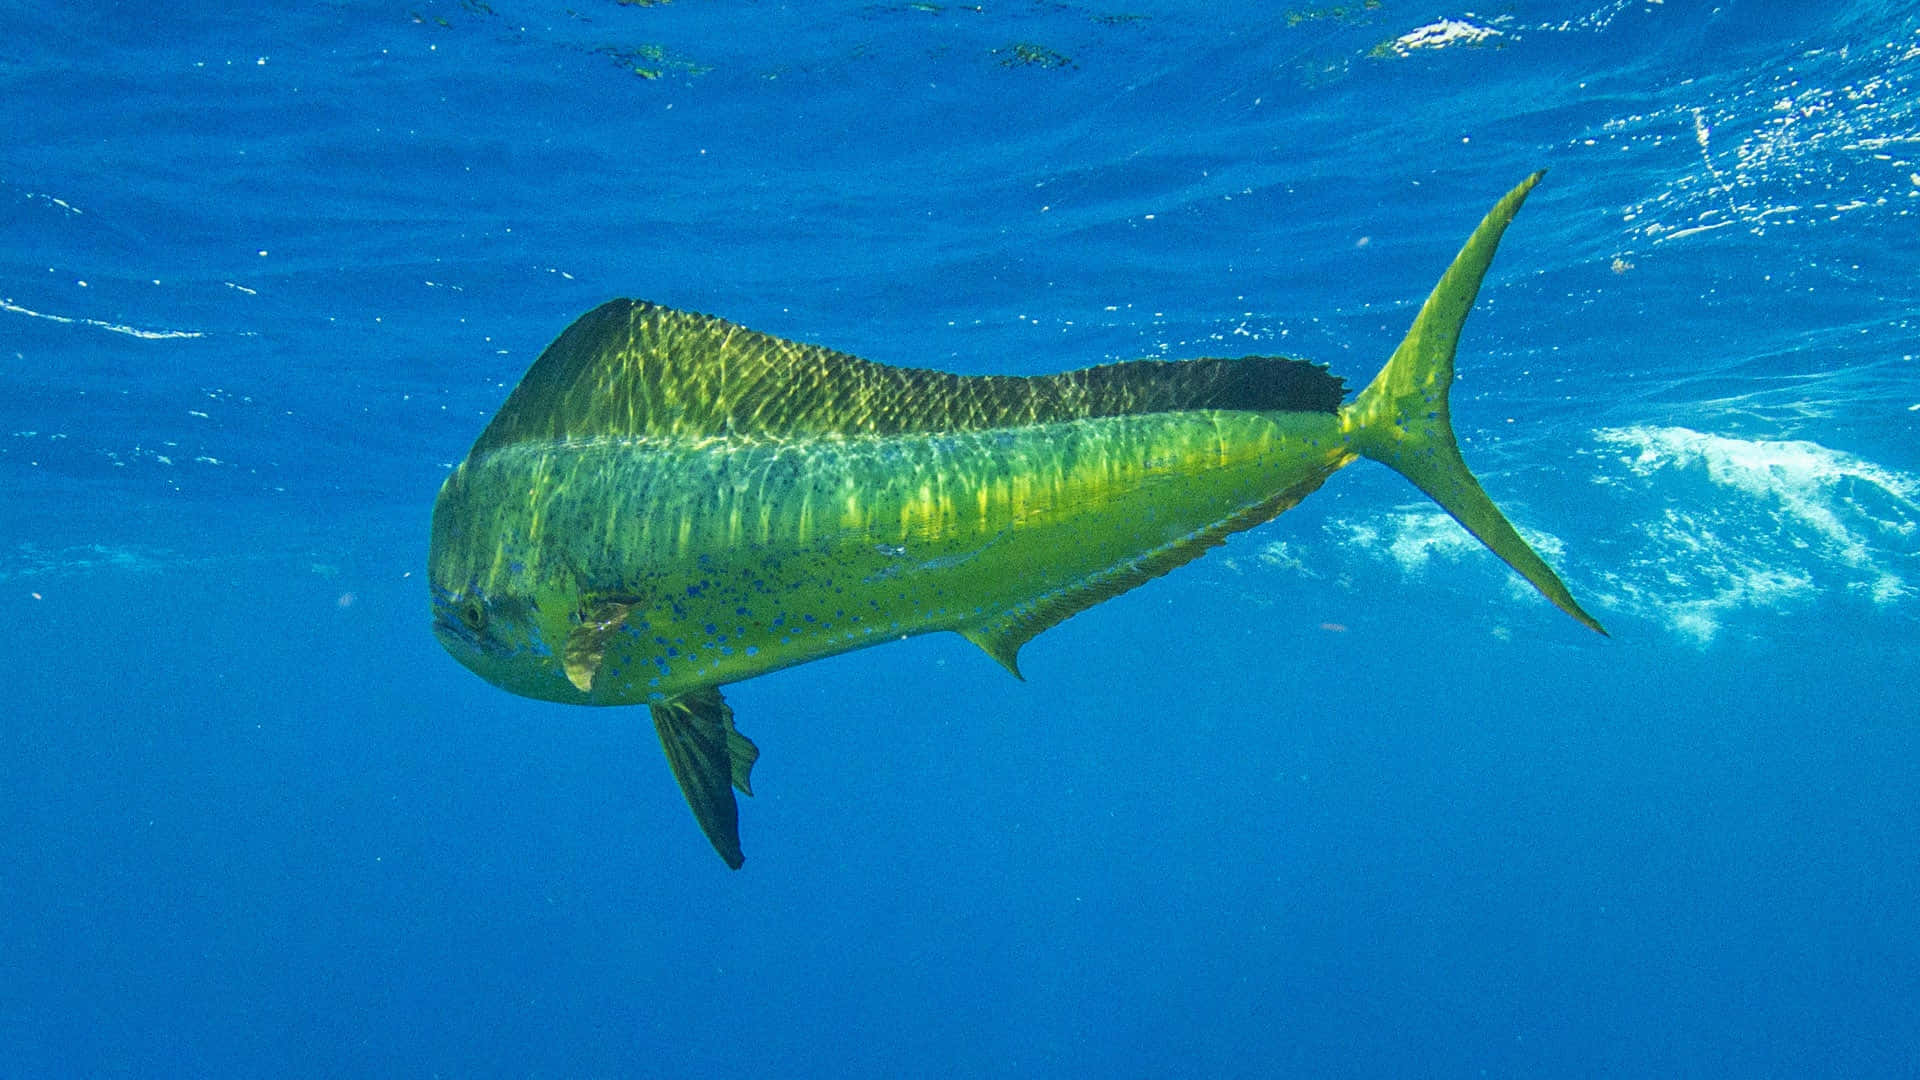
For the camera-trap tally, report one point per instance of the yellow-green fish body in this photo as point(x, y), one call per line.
point(669, 503)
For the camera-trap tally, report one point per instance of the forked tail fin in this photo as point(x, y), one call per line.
point(1401, 418)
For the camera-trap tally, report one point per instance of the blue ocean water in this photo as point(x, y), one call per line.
point(1342, 798)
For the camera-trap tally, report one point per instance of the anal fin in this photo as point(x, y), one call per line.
point(709, 759)
point(1003, 635)
point(1002, 642)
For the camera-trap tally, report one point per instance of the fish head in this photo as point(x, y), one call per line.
point(489, 611)
point(500, 636)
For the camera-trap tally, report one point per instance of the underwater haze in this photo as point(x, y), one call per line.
point(1342, 798)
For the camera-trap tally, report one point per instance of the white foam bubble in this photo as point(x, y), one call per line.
point(1736, 524)
point(1440, 35)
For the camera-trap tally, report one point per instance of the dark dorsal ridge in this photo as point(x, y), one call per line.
point(630, 368)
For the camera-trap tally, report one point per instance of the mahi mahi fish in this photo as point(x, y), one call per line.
point(669, 503)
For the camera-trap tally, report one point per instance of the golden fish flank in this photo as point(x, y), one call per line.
point(669, 503)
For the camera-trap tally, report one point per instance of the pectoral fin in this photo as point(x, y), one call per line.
point(710, 759)
point(587, 643)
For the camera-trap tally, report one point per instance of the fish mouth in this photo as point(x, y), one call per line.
point(455, 633)
point(451, 633)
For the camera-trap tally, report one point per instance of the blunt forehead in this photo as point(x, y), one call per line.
point(500, 602)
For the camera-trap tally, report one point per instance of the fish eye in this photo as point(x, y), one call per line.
point(473, 614)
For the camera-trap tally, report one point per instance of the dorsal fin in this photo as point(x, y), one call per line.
point(630, 368)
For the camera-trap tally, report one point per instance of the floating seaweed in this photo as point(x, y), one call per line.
point(1028, 54)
